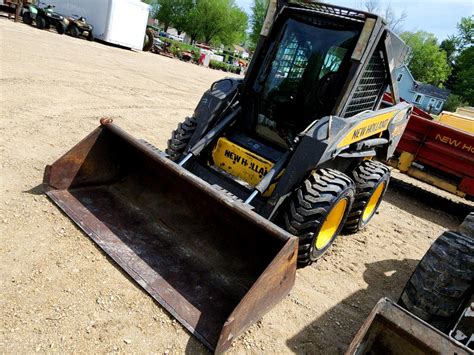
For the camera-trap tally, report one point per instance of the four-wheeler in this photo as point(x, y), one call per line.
point(78, 26)
point(45, 17)
point(263, 176)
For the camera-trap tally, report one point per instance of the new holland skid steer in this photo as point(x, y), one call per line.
point(264, 175)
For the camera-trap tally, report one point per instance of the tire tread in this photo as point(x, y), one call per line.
point(441, 281)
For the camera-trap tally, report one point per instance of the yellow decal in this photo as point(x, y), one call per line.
point(367, 128)
point(240, 162)
point(455, 143)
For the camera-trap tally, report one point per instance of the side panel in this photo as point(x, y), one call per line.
point(213, 103)
point(454, 120)
point(441, 147)
point(331, 136)
point(366, 128)
point(127, 26)
point(121, 22)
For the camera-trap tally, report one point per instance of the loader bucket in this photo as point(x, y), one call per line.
point(391, 329)
point(213, 263)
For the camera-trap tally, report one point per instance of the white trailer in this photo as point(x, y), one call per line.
point(121, 22)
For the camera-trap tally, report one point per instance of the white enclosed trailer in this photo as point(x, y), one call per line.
point(121, 22)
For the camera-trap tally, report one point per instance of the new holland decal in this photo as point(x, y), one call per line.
point(240, 162)
point(367, 128)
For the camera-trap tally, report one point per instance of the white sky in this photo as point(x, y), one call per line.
point(436, 16)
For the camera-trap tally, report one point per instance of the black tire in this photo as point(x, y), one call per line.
point(310, 205)
point(40, 22)
point(74, 31)
point(90, 36)
point(60, 28)
point(27, 18)
point(467, 226)
point(368, 177)
point(180, 138)
point(442, 282)
point(148, 42)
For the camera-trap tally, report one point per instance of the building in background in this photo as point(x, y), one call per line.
point(425, 96)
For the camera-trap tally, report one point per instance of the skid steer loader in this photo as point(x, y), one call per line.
point(263, 176)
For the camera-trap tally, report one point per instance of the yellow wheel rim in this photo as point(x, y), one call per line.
point(373, 203)
point(331, 224)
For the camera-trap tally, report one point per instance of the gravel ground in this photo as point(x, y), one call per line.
point(60, 293)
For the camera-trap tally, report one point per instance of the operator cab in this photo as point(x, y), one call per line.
point(302, 76)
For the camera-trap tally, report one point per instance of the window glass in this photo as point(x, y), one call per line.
point(303, 80)
point(400, 76)
point(418, 98)
point(333, 60)
point(439, 104)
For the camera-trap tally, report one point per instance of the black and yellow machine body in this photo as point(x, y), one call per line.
point(261, 178)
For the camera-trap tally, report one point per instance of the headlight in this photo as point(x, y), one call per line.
point(66, 21)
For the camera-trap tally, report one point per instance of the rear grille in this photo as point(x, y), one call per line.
point(369, 88)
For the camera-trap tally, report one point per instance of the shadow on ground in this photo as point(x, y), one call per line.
point(384, 279)
point(37, 190)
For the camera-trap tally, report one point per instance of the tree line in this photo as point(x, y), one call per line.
point(209, 21)
point(448, 64)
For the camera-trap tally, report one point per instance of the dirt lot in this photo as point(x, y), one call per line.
point(60, 293)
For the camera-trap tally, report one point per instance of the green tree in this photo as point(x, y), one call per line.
point(171, 13)
point(219, 21)
point(181, 13)
point(192, 25)
point(464, 80)
point(259, 10)
point(465, 35)
point(235, 27)
point(449, 45)
point(459, 50)
point(429, 62)
point(453, 102)
point(163, 12)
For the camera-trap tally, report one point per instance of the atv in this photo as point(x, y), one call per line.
point(78, 26)
point(45, 17)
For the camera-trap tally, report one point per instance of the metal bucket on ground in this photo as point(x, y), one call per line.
point(214, 264)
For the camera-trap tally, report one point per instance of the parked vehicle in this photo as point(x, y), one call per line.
point(176, 38)
point(11, 7)
point(120, 22)
point(45, 17)
point(164, 34)
point(263, 176)
point(78, 26)
point(439, 153)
